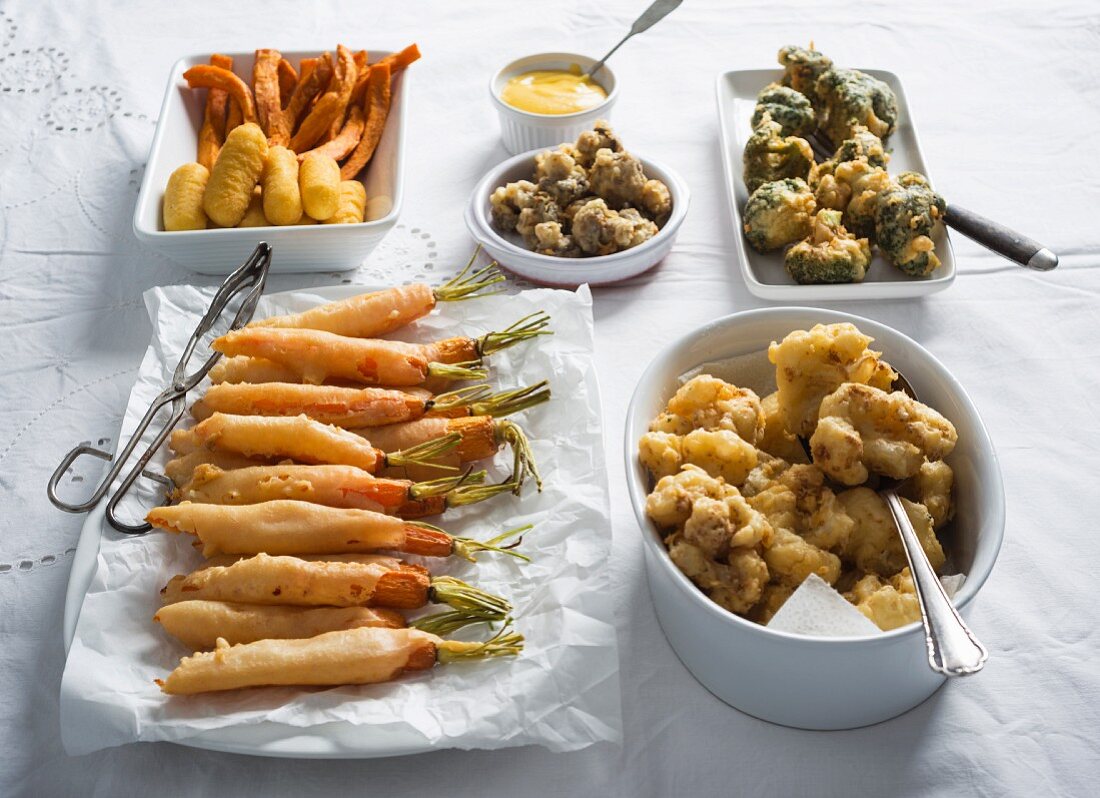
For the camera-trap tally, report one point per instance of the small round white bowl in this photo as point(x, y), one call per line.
point(522, 130)
point(795, 680)
point(509, 251)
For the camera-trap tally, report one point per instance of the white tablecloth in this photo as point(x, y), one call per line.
point(1006, 99)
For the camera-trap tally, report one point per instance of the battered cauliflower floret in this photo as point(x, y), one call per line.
point(799, 502)
point(710, 403)
point(887, 605)
point(777, 440)
point(717, 525)
point(810, 364)
point(906, 214)
point(874, 545)
point(931, 486)
point(617, 178)
point(848, 98)
point(767, 470)
point(769, 156)
point(656, 200)
point(778, 213)
point(560, 176)
point(790, 108)
point(507, 201)
point(540, 208)
point(550, 239)
point(670, 503)
point(735, 585)
point(670, 422)
point(862, 429)
point(802, 67)
point(774, 597)
point(791, 559)
point(600, 137)
point(597, 230)
point(721, 453)
point(830, 254)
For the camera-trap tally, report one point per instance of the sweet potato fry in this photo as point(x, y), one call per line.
point(361, 79)
point(233, 116)
point(288, 79)
point(345, 142)
point(316, 73)
point(206, 76)
point(212, 133)
point(377, 107)
point(398, 61)
point(266, 89)
point(331, 105)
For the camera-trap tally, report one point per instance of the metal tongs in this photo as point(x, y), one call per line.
point(249, 279)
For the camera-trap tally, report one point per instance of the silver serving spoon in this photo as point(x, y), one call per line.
point(953, 650)
point(650, 17)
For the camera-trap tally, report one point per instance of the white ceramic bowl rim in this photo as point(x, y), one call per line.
point(974, 580)
point(676, 186)
point(533, 62)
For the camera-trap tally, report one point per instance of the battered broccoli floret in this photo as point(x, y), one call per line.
point(906, 213)
point(802, 67)
point(865, 183)
point(830, 255)
point(862, 144)
point(786, 106)
point(778, 213)
point(848, 98)
point(769, 156)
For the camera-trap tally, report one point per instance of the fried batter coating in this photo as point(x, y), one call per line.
point(560, 176)
point(906, 215)
point(777, 440)
point(767, 470)
point(887, 605)
point(791, 559)
point(769, 156)
point(551, 240)
point(802, 67)
point(874, 544)
point(811, 364)
point(931, 486)
point(830, 254)
point(774, 596)
point(736, 585)
point(617, 178)
point(717, 525)
point(707, 402)
point(590, 142)
point(778, 213)
point(863, 429)
point(507, 201)
point(540, 209)
point(656, 200)
point(790, 108)
point(847, 98)
point(799, 502)
point(721, 453)
point(670, 503)
point(598, 230)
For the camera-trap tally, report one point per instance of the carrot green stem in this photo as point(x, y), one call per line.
point(460, 397)
point(507, 402)
point(470, 370)
point(523, 465)
point(467, 284)
point(439, 487)
point(503, 644)
point(463, 597)
point(468, 547)
point(527, 327)
point(424, 453)
point(472, 494)
point(443, 623)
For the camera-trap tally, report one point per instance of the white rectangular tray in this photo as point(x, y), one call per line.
point(764, 274)
point(297, 248)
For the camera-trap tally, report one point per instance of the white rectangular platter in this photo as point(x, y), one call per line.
point(764, 275)
point(561, 692)
point(298, 248)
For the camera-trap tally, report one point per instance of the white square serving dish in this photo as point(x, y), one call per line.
point(305, 248)
point(764, 274)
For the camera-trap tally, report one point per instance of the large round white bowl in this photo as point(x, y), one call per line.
point(508, 249)
point(795, 680)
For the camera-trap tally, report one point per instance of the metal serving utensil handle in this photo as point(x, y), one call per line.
point(657, 11)
point(953, 650)
point(1000, 239)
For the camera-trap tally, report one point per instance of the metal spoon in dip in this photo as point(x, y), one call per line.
point(953, 650)
point(650, 17)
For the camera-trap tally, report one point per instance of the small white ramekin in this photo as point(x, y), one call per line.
point(790, 679)
point(522, 130)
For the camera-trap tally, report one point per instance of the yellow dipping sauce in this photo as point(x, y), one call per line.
point(553, 91)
